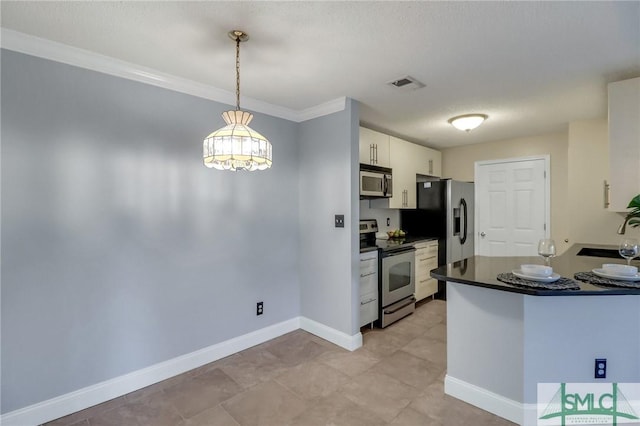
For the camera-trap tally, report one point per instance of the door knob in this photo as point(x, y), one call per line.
point(482, 234)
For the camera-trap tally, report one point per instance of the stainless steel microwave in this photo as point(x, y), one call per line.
point(375, 181)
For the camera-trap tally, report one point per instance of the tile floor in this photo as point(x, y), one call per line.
point(396, 378)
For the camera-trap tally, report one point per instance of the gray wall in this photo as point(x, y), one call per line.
point(485, 335)
point(329, 256)
point(119, 248)
point(574, 331)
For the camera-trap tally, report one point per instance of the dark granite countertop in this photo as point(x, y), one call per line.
point(481, 271)
point(395, 243)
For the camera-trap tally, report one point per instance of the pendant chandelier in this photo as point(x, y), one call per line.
point(237, 146)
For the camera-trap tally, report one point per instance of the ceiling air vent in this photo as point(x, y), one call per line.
point(406, 83)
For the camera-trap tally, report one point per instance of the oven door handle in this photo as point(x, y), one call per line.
point(398, 251)
point(410, 301)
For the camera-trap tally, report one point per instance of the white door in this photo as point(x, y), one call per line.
point(512, 206)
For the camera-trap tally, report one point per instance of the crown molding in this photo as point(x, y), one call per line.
point(58, 52)
point(325, 108)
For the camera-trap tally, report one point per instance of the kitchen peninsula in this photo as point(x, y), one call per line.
point(503, 340)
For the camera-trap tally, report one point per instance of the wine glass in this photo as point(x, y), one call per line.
point(629, 249)
point(547, 249)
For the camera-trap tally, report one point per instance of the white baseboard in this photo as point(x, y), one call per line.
point(95, 394)
point(63, 405)
point(487, 400)
point(332, 335)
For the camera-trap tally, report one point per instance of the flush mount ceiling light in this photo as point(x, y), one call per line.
point(467, 122)
point(237, 146)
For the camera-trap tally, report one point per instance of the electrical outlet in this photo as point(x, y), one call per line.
point(260, 308)
point(388, 221)
point(600, 368)
point(339, 221)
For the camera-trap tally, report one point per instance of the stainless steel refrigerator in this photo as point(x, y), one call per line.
point(445, 211)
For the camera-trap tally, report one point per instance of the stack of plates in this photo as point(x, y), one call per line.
point(540, 273)
point(616, 271)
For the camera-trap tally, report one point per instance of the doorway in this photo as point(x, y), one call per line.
point(512, 205)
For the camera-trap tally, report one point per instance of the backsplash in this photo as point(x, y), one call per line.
point(381, 216)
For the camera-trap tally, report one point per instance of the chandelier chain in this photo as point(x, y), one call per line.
point(237, 146)
point(237, 73)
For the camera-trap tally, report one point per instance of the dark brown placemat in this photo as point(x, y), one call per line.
point(562, 283)
point(591, 278)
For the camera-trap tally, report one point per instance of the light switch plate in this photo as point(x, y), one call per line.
point(600, 368)
point(339, 221)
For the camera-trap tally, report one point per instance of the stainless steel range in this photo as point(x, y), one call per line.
point(397, 284)
point(396, 277)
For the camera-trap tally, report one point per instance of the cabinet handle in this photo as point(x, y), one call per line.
point(424, 281)
point(370, 153)
point(430, 167)
point(375, 153)
point(606, 194)
point(367, 302)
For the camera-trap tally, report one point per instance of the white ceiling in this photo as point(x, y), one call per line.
point(532, 67)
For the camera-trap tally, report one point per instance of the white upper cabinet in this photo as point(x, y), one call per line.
point(374, 148)
point(403, 163)
point(428, 161)
point(624, 143)
point(435, 163)
point(408, 160)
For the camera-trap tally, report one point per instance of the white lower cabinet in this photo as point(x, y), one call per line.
point(426, 260)
point(368, 287)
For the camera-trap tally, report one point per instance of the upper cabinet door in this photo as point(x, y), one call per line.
point(374, 148)
point(434, 163)
point(624, 143)
point(428, 161)
point(403, 163)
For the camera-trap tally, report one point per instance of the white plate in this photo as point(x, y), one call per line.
point(554, 277)
point(601, 273)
